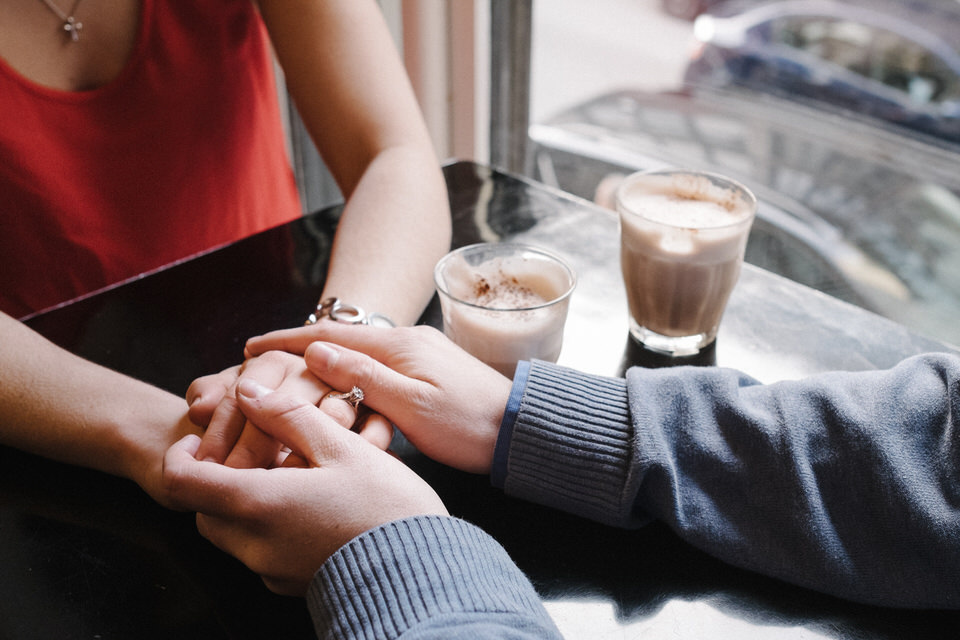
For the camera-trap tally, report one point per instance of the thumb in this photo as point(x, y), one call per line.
point(305, 429)
point(202, 486)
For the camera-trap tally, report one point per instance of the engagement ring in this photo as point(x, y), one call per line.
point(354, 397)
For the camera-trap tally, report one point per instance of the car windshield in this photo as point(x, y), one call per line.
point(843, 117)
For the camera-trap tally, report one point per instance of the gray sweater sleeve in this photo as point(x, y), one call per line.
point(848, 483)
point(427, 577)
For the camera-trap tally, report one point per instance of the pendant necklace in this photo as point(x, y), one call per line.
point(70, 25)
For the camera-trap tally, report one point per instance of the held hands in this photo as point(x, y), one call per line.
point(283, 523)
point(445, 401)
point(230, 437)
point(326, 484)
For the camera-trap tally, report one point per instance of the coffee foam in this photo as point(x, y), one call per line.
point(690, 202)
point(501, 284)
point(500, 310)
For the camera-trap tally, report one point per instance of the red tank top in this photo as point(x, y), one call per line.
point(182, 152)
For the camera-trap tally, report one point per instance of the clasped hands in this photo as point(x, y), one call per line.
point(281, 483)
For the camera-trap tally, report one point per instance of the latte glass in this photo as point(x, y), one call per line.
point(505, 302)
point(682, 239)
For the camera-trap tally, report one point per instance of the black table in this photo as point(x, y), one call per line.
point(85, 555)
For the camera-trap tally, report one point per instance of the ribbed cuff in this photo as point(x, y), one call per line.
point(413, 571)
point(571, 445)
point(498, 471)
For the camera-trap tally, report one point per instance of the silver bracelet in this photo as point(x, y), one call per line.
point(350, 314)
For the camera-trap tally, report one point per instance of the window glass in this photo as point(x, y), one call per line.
point(845, 122)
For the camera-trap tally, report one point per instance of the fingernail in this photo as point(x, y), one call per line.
point(252, 389)
point(322, 355)
point(251, 341)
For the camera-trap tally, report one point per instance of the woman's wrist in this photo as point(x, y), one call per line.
point(335, 309)
point(400, 298)
point(139, 445)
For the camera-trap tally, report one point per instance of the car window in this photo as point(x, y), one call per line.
point(874, 53)
point(906, 66)
point(843, 43)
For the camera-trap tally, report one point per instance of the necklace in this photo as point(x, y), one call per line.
point(70, 25)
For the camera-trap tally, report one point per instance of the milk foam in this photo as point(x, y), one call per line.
point(500, 310)
point(502, 283)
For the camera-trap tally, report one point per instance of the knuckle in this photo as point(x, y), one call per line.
point(195, 389)
point(341, 413)
point(427, 331)
point(175, 483)
point(365, 369)
point(408, 337)
point(295, 412)
point(275, 358)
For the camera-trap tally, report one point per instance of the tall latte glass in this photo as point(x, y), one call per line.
point(505, 302)
point(682, 240)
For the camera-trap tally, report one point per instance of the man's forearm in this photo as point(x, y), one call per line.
point(845, 483)
point(425, 577)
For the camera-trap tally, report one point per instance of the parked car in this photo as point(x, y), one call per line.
point(895, 61)
point(863, 213)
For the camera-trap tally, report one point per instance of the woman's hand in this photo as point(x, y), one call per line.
point(445, 401)
point(232, 439)
point(283, 523)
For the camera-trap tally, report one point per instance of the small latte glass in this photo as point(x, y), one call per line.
point(505, 302)
point(682, 239)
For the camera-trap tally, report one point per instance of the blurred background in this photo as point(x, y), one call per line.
point(843, 116)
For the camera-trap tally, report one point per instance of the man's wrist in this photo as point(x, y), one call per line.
point(571, 445)
point(501, 451)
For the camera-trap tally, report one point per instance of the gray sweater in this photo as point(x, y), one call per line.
point(848, 483)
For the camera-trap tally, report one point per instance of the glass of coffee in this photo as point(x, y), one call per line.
point(682, 240)
point(505, 302)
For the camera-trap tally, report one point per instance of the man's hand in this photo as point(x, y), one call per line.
point(283, 523)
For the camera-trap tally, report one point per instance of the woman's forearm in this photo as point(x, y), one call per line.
point(345, 75)
point(59, 406)
point(394, 229)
